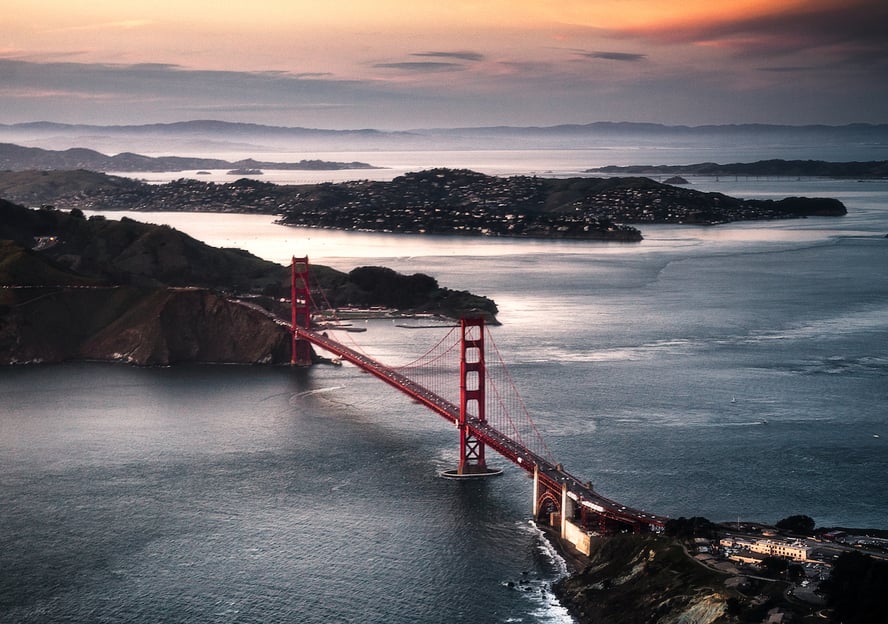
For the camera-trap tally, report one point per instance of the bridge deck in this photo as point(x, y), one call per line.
point(552, 475)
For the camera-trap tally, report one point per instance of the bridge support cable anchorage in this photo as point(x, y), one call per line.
point(489, 413)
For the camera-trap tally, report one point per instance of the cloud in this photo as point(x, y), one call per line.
point(789, 69)
point(31, 91)
point(616, 56)
point(422, 66)
point(462, 56)
point(839, 29)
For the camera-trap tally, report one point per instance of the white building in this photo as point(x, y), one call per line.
point(774, 548)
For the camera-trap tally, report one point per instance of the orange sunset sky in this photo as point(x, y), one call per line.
point(420, 63)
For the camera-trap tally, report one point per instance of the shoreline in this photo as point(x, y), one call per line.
point(681, 571)
point(574, 561)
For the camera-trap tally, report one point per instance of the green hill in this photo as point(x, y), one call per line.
point(77, 288)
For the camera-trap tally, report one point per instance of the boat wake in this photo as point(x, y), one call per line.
point(306, 393)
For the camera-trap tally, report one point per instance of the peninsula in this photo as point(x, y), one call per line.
point(708, 573)
point(73, 288)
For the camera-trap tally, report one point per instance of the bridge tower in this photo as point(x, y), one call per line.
point(300, 308)
point(472, 399)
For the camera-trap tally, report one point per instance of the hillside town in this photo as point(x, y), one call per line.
point(435, 201)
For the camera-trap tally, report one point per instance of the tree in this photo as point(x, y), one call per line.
point(689, 527)
point(775, 565)
point(802, 525)
point(857, 589)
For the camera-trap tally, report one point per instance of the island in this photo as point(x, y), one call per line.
point(763, 168)
point(448, 201)
point(436, 201)
point(73, 288)
point(17, 158)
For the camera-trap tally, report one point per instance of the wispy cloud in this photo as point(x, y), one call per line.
point(789, 69)
point(421, 66)
point(151, 90)
point(615, 56)
point(462, 56)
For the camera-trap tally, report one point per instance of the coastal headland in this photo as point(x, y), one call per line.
point(707, 573)
point(73, 288)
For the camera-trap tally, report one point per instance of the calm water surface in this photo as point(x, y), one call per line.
point(737, 371)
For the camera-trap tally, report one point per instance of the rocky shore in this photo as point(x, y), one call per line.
point(675, 578)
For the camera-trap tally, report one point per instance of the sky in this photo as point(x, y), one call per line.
point(402, 64)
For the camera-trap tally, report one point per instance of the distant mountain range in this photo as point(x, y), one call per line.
point(18, 158)
point(203, 127)
point(215, 137)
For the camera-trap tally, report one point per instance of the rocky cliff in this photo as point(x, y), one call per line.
point(172, 325)
point(647, 579)
point(631, 580)
point(77, 288)
point(140, 326)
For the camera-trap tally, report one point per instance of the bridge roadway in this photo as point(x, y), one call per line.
point(553, 476)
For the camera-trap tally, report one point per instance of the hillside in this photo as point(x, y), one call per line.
point(775, 167)
point(129, 252)
point(435, 201)
point(18, 158)
point(75, 288)
point(207, 136)
point(681, 576)
point(448, 201)
point(631, 579)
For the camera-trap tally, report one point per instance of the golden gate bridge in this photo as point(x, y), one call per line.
point(488, 412)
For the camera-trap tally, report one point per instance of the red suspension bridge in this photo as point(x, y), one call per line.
point(487, 411)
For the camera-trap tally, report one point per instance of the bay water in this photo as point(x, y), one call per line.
point(737, 372)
